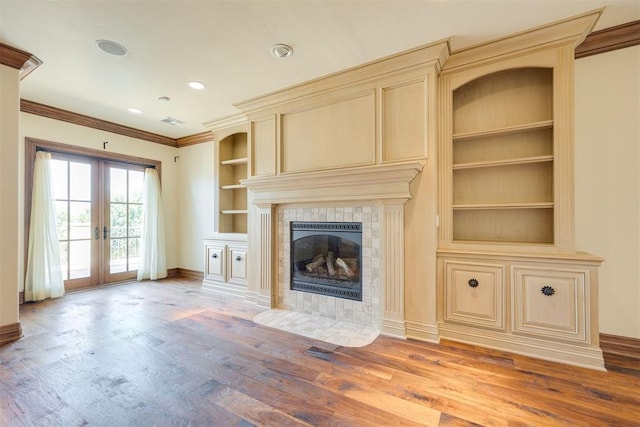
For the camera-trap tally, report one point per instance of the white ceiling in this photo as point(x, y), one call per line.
point(225, 44)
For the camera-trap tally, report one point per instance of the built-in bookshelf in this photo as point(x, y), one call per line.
point(232, 195)
point(502, 152)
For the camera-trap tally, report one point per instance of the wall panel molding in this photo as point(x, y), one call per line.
point(602, 41)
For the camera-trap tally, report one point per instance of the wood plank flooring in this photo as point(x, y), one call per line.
point(172, 354)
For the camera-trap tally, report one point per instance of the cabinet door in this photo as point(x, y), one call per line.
point(237, 264)
point(550, 303)
point(215, 263)
point(474, 293)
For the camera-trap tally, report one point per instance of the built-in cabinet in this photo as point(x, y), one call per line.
point(508, 273)
point(226, 265)
point(225, 252)
point(474, 147)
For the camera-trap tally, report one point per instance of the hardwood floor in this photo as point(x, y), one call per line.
point(172, 354)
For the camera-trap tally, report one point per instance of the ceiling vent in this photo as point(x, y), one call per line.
point(171, 121)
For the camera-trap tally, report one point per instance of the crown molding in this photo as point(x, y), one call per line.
point(198, 138)
point(612, 38)
point(568, 31)
point(31, 107)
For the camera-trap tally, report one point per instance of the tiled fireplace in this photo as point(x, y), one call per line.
point(373, 196)
point(365, 310)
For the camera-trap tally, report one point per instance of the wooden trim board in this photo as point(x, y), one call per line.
point(190, 274)
point(10, 332)
point(47, 111)
point(618, 37)
point(620, 346)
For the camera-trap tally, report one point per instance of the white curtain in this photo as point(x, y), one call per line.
point(153, 264)
point(44, 276)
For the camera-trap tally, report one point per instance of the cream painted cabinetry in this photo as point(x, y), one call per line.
point(551, 303)
point(225, 252)
point(475, 293)
point(538, 305)
point(226, 265)
point(508, 273)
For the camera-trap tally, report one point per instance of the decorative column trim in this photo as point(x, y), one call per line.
point(392, 266)
point(265, 293)
point(10, 332)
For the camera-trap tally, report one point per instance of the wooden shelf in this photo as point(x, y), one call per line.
point(240, 161)
point(232, 187)
point(502, 206)
point(508, 162)
point(234, 212)
point(529, 127)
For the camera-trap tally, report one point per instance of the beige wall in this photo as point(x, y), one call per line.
point(52, 130)
point(608, 181)
point(196, 200)
point(10, 221)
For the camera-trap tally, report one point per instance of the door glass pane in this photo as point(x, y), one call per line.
point(136, 184)
point(118, 222)
point(80, 220)
point(60, 179)
point(80, 181)
point(62, 219)
point(134, 254)
point(118, 185)
point(79, 258)
point(135, 220)
point(118, 256)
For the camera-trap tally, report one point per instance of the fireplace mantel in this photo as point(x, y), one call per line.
point(377, 182)
point(384, 188)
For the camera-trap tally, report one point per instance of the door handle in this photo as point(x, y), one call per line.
point(96, 233)
point(104, 232)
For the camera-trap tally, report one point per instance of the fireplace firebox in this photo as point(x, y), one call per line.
point(326, 258)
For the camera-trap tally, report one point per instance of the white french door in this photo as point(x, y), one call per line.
point(99, 219)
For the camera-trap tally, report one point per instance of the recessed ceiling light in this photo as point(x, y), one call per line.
point(135, 110)
point(281, 50)
point(112, 48)
point(196, 85)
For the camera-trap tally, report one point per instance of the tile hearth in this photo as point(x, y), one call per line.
point(321, 328)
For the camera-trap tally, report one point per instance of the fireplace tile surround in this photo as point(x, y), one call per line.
point(365, 313)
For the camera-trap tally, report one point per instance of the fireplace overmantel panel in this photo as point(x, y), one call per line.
point(378, 182)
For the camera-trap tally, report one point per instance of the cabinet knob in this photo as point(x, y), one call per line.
point(547, 290)
point(238, 258)
point(214, 256)
point(473, 283)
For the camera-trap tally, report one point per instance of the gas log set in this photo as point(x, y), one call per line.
point(326, 258)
